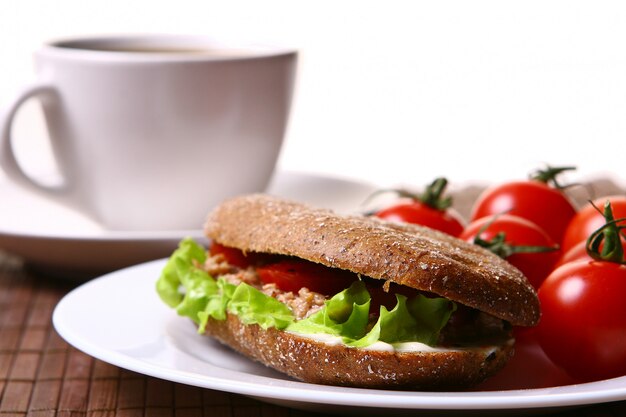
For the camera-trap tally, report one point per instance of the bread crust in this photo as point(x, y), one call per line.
point(409, 255)
point(315, 362)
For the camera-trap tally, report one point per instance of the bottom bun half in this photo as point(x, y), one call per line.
point(310, 360)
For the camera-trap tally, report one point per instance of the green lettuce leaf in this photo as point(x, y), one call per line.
point(346, 314)
point(254, 307)
point(192, 292)
point(198, 288)
point(419, 319)
point(175, 271)
point(431, 314)
point(216, 304)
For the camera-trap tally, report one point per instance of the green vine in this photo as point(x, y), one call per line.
point(610, 234)
point(549, 175)
point(499, 246)
point(432, 196)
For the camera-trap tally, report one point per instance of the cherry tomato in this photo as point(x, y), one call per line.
point(447, 221)
point(521, 236)
point(589, 219)
point(536, 201)
point(293, 274)
point(428, 209)
point(583, 323)
point(577, 253)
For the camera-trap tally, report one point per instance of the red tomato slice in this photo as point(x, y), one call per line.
point(293, 274)
point(233, 256)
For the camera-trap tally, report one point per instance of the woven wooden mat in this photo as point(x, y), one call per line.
point(42, 376)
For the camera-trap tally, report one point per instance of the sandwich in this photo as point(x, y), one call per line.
point(348, 300)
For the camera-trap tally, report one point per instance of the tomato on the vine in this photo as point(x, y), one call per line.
point(419, 213)
point(589, 219)
point(577, 253)
point(535, 200)
point(583, 323)
point(428, 209)
point(293, 274)
point(521, 242)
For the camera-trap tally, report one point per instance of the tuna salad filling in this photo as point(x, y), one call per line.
point(302, 297)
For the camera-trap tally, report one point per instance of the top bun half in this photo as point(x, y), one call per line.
point(405, 254)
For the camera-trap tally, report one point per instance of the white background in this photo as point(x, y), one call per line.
point(392, 91)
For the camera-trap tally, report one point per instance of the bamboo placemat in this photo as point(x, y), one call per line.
point(42, 376)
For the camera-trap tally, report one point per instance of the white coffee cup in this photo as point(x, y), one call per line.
point(150, 132)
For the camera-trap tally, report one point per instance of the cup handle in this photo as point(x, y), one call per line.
point(47, 94)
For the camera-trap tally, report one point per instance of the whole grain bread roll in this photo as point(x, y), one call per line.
point(405, 254)
point(409, 255)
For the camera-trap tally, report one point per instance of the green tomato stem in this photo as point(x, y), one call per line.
point(500, 247)
point(549, 175)
point(432, 196)
point(610, 233)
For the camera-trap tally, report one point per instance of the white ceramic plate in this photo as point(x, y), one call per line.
point(119, 319)
point(58, 240)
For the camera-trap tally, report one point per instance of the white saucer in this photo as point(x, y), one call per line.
point(133, 329)
point(60, 241)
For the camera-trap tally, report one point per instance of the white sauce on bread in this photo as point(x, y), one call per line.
point(404, 347)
